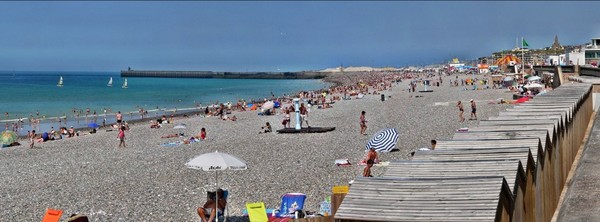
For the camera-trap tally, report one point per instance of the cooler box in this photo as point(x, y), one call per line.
point(290, 203)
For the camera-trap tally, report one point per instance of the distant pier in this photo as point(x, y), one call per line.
point(223, 75)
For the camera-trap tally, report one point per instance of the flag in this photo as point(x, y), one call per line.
point(524, 44)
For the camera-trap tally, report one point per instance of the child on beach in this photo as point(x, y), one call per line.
point(122, 136)
point(266, 128)
point(31, 138)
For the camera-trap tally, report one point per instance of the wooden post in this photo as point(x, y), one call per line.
point(339, 192)
point(558, 77)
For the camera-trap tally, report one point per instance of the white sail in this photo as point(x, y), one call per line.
point(60, 82)
point(110, 82)
point(125, 84)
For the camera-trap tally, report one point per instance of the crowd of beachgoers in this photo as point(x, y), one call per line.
point(96, 175)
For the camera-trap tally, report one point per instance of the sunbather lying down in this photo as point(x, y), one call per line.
point(172, 135)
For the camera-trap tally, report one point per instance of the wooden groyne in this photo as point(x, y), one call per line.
point(512, 167)
point(222, 75)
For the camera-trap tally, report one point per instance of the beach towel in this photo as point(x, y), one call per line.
point(342, 162)
point(171, 144)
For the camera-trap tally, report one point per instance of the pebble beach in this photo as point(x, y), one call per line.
point(145, 181)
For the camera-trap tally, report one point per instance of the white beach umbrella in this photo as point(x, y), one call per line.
point(268, 105)
point(534, 78)
point(216, 162)
point(181, 126)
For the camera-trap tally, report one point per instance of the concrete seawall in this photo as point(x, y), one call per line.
point(223, 75)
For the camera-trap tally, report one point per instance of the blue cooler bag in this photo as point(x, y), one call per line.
point(290, 203)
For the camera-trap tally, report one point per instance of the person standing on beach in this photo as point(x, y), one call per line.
point(122, 136)
point(473, 110)
point(119, 118)
point(367, 170)
point(31, 139)
point(286, 119)
point(363, 123)
point(303, 115)
point(461, 111)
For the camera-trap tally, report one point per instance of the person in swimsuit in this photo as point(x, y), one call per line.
point(122, 137)
point(367, 170)
point(473, 110)
point(303, 115)
point(461, 111)
point(210, 207)
point(119, 118)
point(363, 123)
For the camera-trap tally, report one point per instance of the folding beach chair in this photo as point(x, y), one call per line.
point(52, 215)
point(292, 204)
point(257, 212)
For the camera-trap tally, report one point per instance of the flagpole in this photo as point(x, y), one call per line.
point(523, 55)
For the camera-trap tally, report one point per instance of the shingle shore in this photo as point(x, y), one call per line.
point(148, 182)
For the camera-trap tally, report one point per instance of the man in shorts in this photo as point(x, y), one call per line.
point(119, 118)
point(473, 110)
point(303, 115)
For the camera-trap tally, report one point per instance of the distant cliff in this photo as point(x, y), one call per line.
point(223, 75)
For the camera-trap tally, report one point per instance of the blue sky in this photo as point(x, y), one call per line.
point(271, 36)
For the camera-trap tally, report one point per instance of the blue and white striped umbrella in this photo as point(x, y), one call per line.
point(384, 140)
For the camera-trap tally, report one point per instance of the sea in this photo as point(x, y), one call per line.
point(36, 94)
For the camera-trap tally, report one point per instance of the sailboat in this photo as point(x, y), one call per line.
point(109, 82)
point(60, 82)
point(125, 84)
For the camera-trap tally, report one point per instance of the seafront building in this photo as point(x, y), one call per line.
point(592, 52)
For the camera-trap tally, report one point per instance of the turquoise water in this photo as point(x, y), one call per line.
point(27, 93)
